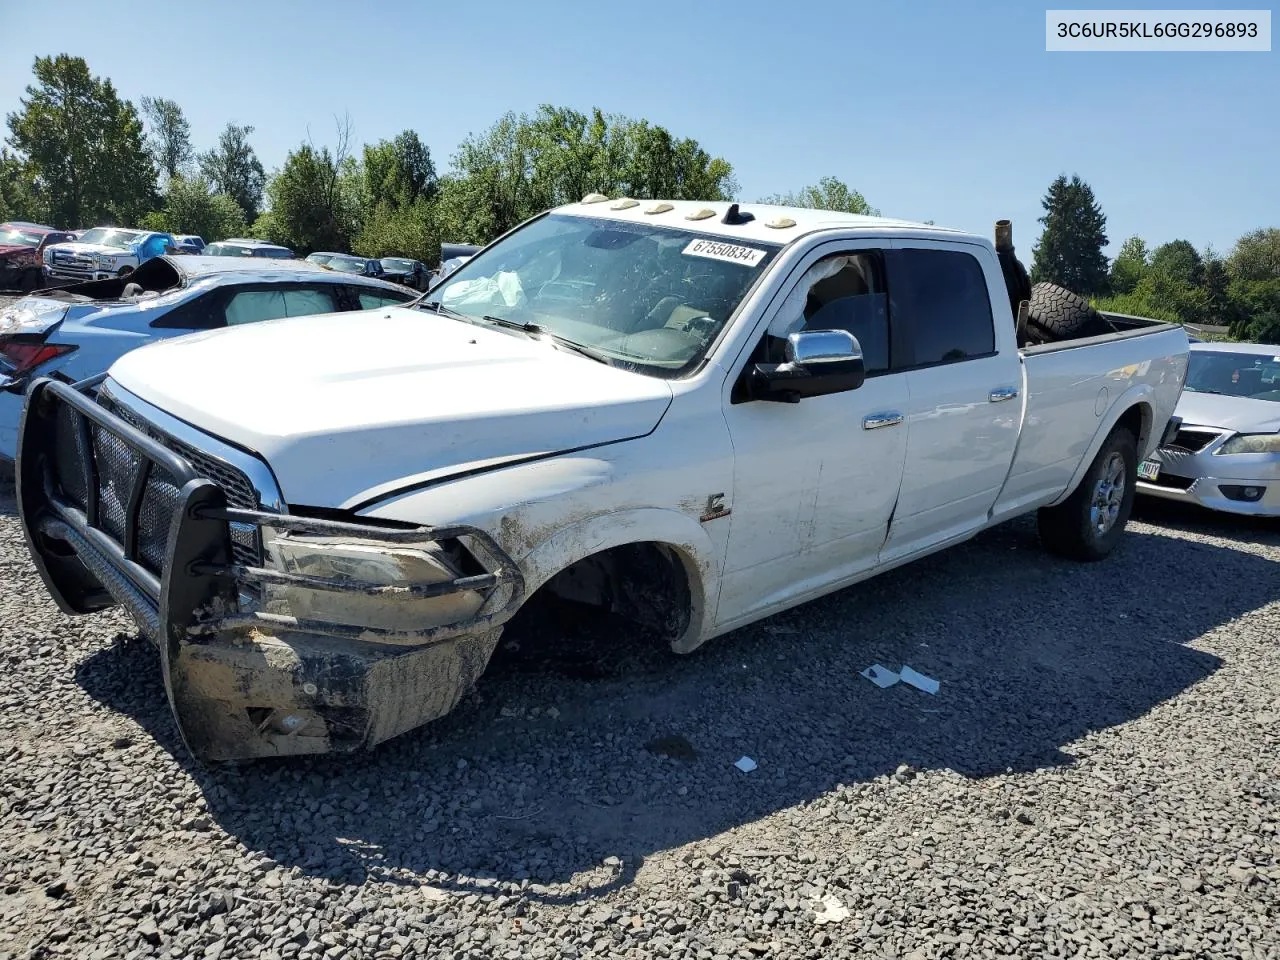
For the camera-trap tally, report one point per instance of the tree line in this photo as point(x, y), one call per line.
point(78, 155)
point(1173, 281)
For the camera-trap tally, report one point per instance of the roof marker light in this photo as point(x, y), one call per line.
point(594, 198)
point(781, 223)
point(660, 208)
point(700, 214)
point(624, 204)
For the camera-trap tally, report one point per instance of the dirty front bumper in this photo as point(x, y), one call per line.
point(112, 514)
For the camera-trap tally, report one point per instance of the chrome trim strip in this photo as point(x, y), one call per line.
point(259, 474)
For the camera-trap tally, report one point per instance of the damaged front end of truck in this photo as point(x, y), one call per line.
point(279, 634)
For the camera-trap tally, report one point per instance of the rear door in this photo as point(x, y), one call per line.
point(964, 384)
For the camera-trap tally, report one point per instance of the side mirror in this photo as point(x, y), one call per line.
point(818, 362)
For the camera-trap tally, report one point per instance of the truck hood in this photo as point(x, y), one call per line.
point(347, 407)
point(1242, 414)
point(75, 246)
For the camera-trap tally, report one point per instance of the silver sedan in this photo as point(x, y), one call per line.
point(1226, 453)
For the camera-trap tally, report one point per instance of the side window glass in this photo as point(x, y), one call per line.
point(198, 314)
point(253, 306)
point(304, 301)
point(950, 306)
point(372, 300)
point(843, 292)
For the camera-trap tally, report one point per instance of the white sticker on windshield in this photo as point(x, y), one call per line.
point(730, 252)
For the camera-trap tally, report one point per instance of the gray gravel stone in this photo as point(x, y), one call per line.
point(1096, 778)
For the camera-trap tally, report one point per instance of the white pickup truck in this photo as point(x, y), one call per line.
point(694, 415)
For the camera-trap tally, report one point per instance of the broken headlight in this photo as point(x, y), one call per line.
point(365, 584)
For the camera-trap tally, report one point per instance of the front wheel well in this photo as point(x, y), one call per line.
point(645, 582)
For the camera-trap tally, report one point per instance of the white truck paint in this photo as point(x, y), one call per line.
point(503, 436)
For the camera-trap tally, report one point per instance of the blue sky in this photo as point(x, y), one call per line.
point(951, 112)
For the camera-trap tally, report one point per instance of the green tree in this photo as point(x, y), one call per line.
point(233, 168)
point(1219, 308)
point(1069, 252)
point(18, 200)
point(399, 171)
point(1256, 256)
point(828, 193)
point(170, 137)
point(1257, 304)
point(191, 208)
point(1129, 266)
point(523, 165)
point(1180, 260)
point(406, 231)
point(83, 144)
point(1161, 297)
point(312, 207)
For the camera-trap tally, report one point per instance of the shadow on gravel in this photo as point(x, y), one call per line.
point(1032, 654)
point(1193, 519)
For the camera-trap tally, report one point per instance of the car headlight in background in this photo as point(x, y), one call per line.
point(1252, 443)
point(106, 260)
point(48, 255)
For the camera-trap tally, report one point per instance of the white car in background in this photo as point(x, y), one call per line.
point(105, 252)
point(1226, 453)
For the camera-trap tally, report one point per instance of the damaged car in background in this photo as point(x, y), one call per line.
point(691, 415)
point(75, 333)
point(1226, 453)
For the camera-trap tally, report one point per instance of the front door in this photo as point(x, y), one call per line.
point(815, 482)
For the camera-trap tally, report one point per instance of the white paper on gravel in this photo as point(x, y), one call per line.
point(746, 764)
point(919, 680)
point(881, 676)
point(829, 910)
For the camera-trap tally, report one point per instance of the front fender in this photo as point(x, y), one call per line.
point(590, 535)
point(550, 514)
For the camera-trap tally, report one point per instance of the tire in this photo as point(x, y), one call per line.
point(1055, 313)
point(124, 271)
point(1089, 523)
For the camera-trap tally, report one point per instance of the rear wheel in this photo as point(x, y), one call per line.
point(1089, 523)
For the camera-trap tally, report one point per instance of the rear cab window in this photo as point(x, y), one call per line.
point(942, 299)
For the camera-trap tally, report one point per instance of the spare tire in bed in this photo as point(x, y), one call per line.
point(1055, 313)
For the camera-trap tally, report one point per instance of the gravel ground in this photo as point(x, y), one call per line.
point(1098, 776)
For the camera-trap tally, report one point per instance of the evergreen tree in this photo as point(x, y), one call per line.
point(1069, 252)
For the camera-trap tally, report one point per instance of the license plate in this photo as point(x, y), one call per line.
point(1149, 470)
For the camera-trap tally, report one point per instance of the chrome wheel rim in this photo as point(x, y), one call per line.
point(1108, 494)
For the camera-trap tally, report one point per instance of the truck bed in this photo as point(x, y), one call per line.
point(1069, 388)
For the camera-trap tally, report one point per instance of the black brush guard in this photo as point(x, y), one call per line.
point(90, 539)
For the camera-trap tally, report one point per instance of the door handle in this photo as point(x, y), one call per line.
point(1001, 394)
point(875, 421)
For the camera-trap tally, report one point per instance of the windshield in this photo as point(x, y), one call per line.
point(346, 265)
point(320, 258)
point(649, 298)
point(395, 263)
point(223, 250)
point(19, 237)
point(108, 237)
point(1252, 375)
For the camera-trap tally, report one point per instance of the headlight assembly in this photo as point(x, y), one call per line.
point(1251, 443)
